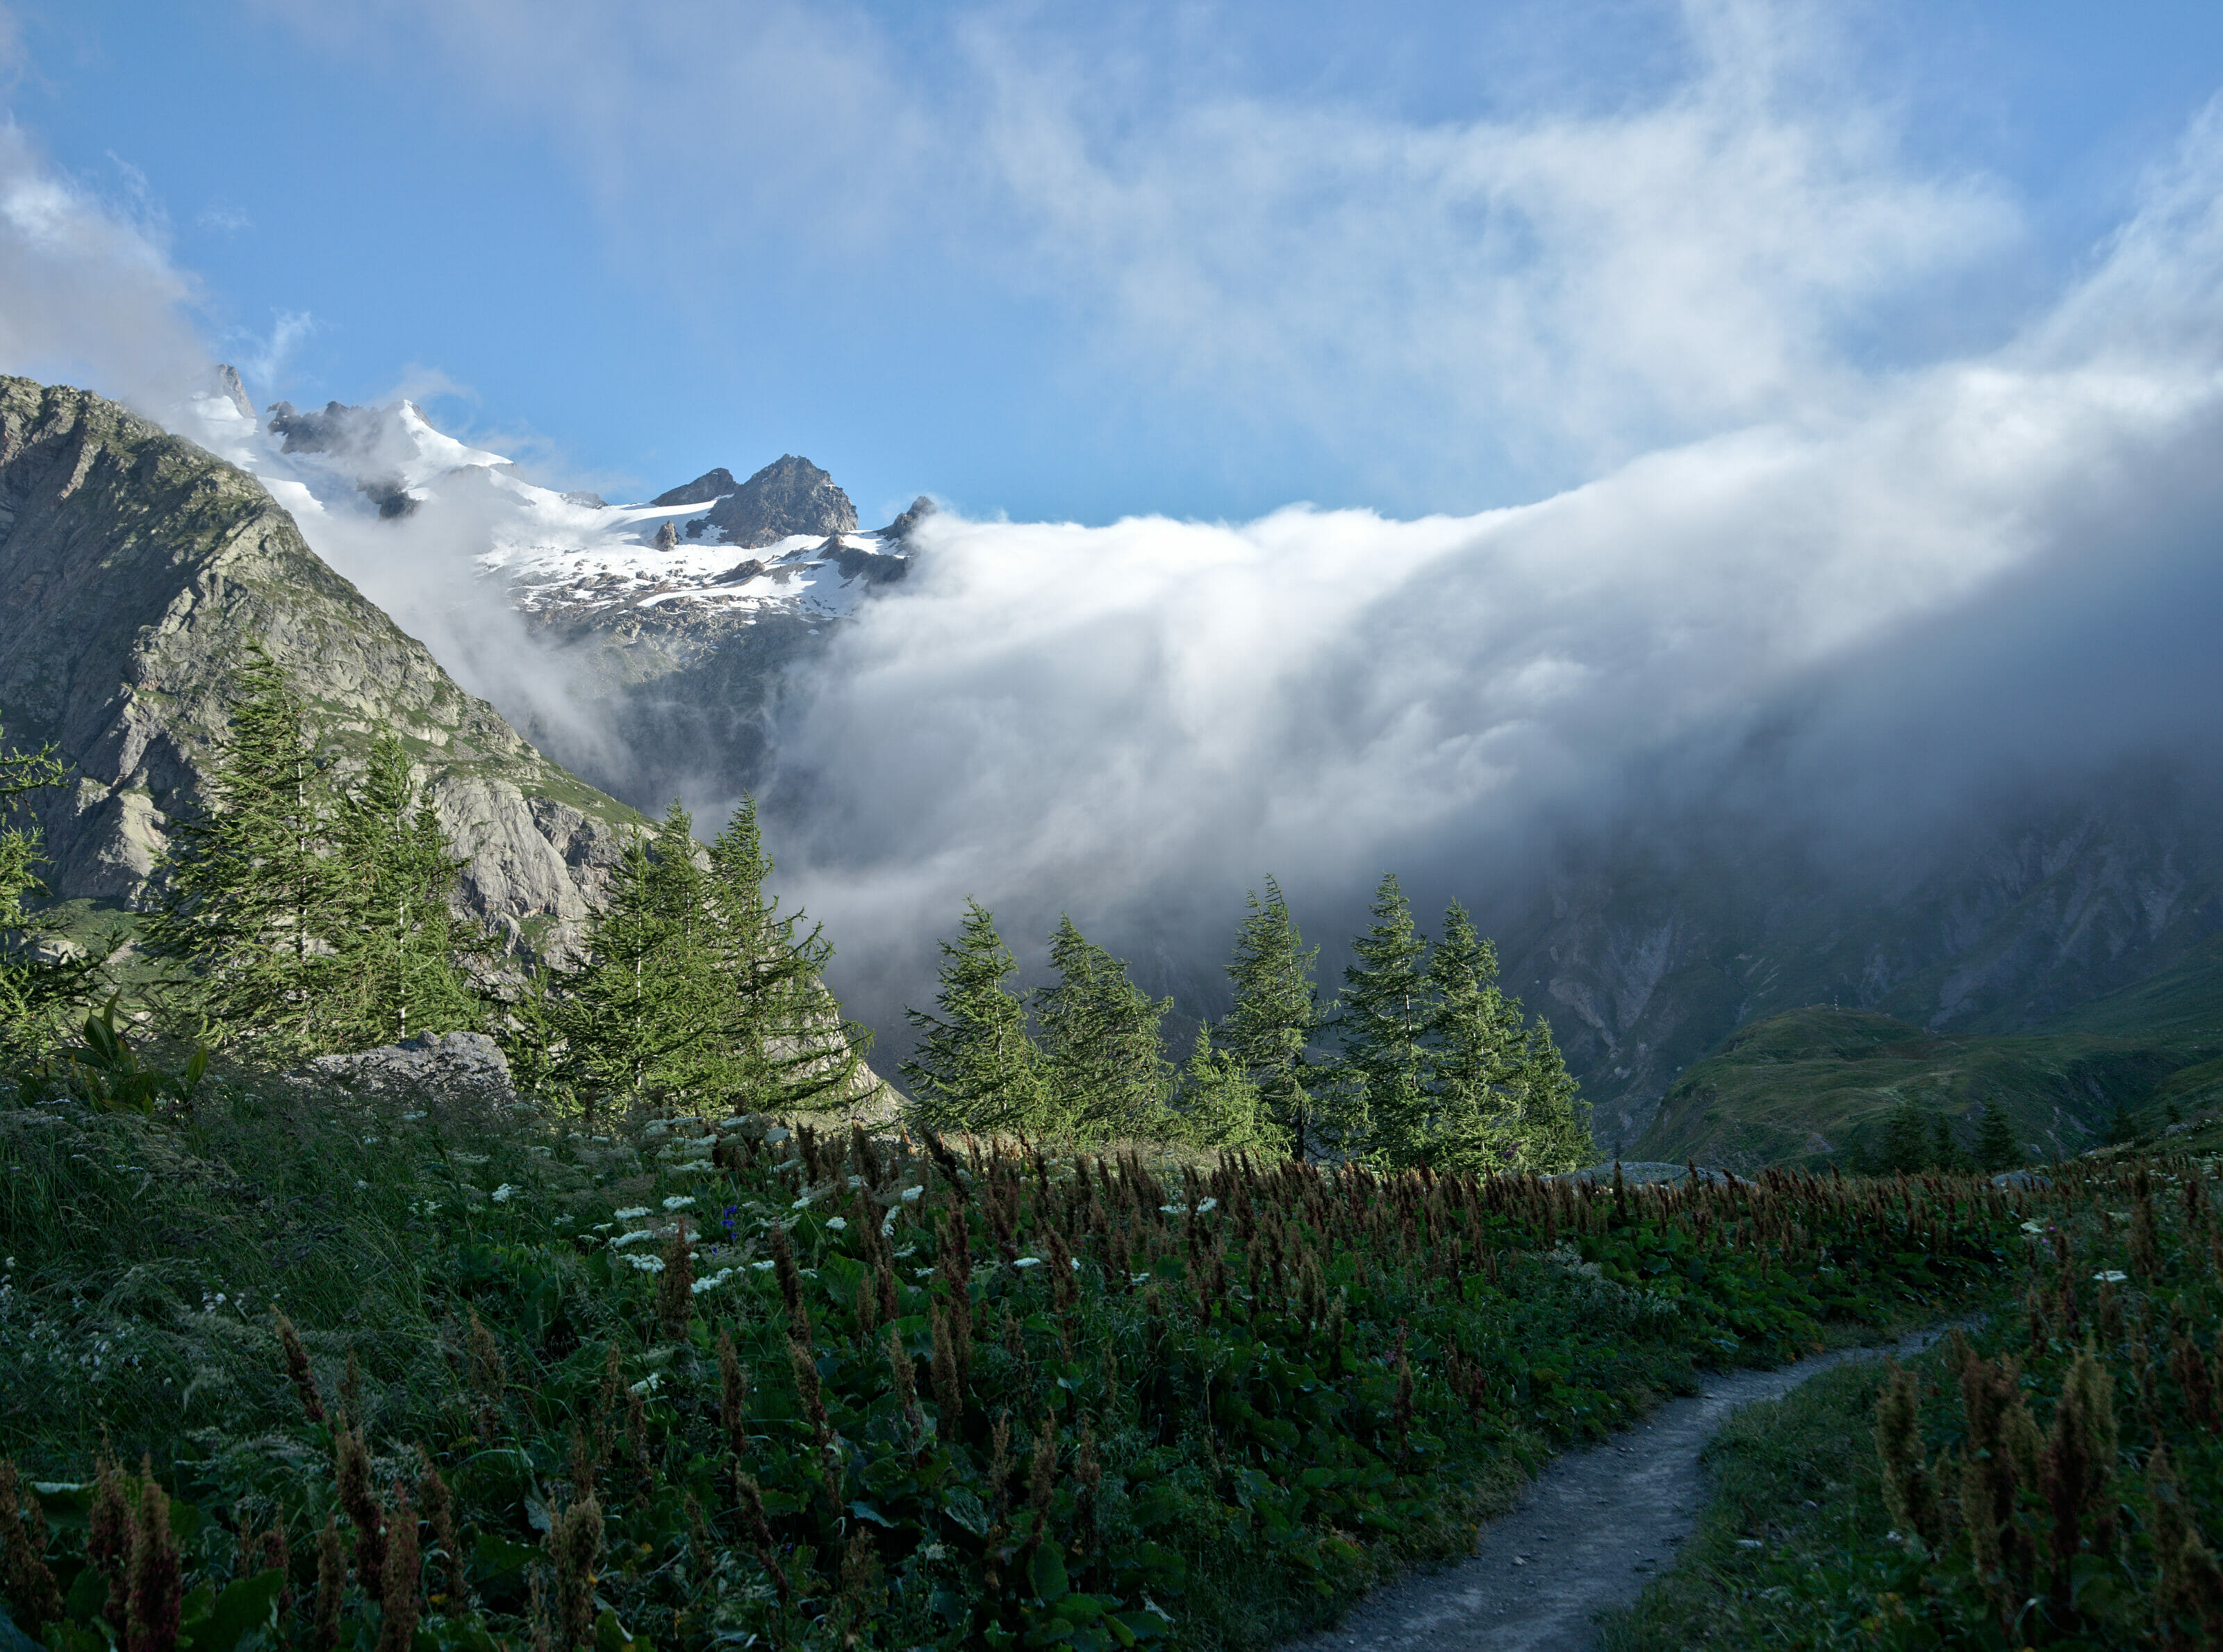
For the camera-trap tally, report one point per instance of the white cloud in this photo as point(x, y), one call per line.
point(91, 294)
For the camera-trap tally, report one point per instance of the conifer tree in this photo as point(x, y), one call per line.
point(39, 988)
point(976, 1069)
point(249, 911)
point(785, 1043)
point(1219, 1107)
point(644, 1004)
point(1275, 1012)
point(1386, 1014)
point(1500, 1094)
point(399, 968)
point(1996, 1147)
point(1103, 1053)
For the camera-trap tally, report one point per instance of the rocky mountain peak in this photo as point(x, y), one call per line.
point(710, 485)
point(896, 534)
point(789, 497)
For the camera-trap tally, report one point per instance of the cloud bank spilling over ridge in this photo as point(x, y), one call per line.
point(1134, 722)
point(1785, 556)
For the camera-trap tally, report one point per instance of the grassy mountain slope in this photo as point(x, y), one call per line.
point(1813, 1085)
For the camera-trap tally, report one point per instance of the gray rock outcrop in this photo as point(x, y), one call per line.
point(454, 1068)
point(789, 497)
point(711, 485)
point(895, 536)
point(137, 571)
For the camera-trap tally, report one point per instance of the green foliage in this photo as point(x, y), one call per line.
point(298, 916)
point(1501, 1093)
point(1220, 1109)
point(399, 948)
point(951, 1415)
point(1384, 1015)
point(104, 1071)
point(976, 1068)
point(1102, 1051)
point(1996, 1147)
point(40, 982)
point(1275, 1013)
point(690, 984)
point(2049, 1479)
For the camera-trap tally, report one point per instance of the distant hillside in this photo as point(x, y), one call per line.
point(1649, 952)
point(1814, 1085)
point(136, 571)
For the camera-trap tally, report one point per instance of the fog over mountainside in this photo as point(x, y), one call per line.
point(1856, 675)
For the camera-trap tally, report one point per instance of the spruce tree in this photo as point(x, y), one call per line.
point(1275, 1012)
point(1386, 1014)
point(249, 915)
point(1500, 1095)
point(975, 1069)
point(1103, 1052)
point(1220, 1109)
point(40, 984)
point(400, 964)
point(785, 1044)
point(643, 1004)
point(1996, 1147)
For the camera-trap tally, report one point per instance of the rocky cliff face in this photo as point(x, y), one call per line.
point(136, 571)
point(1645, 957)
point(790, 495)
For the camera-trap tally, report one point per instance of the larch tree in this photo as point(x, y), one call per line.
point(249, 908)
point(1383, 1021)
point(1500, 1094)
point(785, 1044)
point(642, 1003)
point(1275, 1012)
point(1218, 1109)
point(40, 981)
point(975, 1068)
point(400, 964)
point(1103, 1052)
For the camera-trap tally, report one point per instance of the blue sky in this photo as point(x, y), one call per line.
point(1076, 262)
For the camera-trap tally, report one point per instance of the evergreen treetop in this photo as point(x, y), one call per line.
point(1275, 1012)
point(975, 1068)
point(1103, 1053)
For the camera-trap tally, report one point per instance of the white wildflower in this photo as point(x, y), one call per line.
point(712, 1282)
point(1204, 1205)
point(2033, 1227)
point(1028, 1262)
point(648, 1384)
point(911, 1195)
point(505, 1193)
point(637, 1236)
point(837, 1223)
point(629, 1212)
point(646, 1263)
point(761, 1267)
point(2111, 1275)
point(679, 1201)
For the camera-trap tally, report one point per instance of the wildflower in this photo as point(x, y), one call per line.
point(2033, 1227)
point(648, 1384)
point(711, 1282)
point(837, 1223)
point(646, 1263)
point(761, 1267)
point(679, 1201)
point(636, 1237)
point(2111, 1275)
point(564, 1222)
point(911, 1195)
point(1028, 1262)
point(360, 1184)
point(505, 1193)
point(629, 1212)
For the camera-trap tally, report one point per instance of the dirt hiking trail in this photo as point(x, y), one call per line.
point(1593, 1529)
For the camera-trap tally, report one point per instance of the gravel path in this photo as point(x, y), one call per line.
point(1593, 1529)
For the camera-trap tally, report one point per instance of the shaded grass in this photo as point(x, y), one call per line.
point(1797, 1488)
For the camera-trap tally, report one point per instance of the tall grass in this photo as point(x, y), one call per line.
point(707, 1383)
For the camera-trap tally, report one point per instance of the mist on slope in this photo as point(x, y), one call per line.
point(1869, 611)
